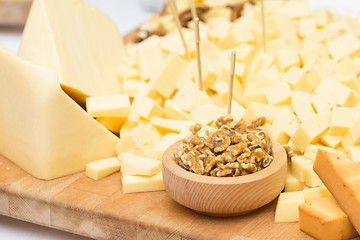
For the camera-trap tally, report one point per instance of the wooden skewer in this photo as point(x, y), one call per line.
point(263, 24)
point(198, 56)
point(193, 9)
point(231, 80)
point(175, 13)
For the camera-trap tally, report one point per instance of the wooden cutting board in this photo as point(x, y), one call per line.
point(99, 209)
point(13, 13)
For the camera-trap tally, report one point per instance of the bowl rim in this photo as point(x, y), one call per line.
point(170, 165)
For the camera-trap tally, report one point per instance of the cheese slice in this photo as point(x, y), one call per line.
point(42, 130)
point(137, 165)
point(133, 183)
point(323, 219)
point(102, 168)
point(341, 177)
point(77, 40)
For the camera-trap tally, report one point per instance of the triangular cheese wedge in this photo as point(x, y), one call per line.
point(43, 130)
point(77, 40)
point(342, 177)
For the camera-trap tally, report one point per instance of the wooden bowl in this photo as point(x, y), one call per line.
point(224, 196)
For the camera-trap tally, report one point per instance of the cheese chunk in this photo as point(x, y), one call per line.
point(137, 165)
point(237, 110)
point(131, 86)
point(322, 101)
point(44, 131)
point(292, 184)
point(330, 140)
point(310, 177)
point(315, 193)
point(278, 94)
point(341, 120)
point(206, 114)
point(287, 206)
point(297, 80)
point(150, 108)
point(113, 124)
point(287, 58)
point(341, 177)
point(171, 125)
point(311, 151)
point(324, 220)
point(149, 61)
point(298, 163)
point(300, 101)
point(172, 111)
point(165, 142)
point(256, 110)
point(131, 183)
point(108, 106)
point(77, 40)
point(354, 132)
point(166, 79)
point(102, 168)
point(277, 134)
point(345, 45)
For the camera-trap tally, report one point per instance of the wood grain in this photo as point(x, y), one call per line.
point(13, 13)
point(224, 196)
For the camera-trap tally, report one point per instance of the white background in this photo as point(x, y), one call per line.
point(127, 14)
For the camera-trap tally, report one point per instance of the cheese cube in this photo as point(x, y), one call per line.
point(345, 45)
point(341, 177)
point(144, 91)
point(306, 26)
point(171, 125)
point(311, 130)
point(322, 101)
point(256, 110)
point(329, 140)
point(113, 124)
point(237, 110)
point(312, 150)
point(348, 66)
point(127, 127)
point(136, 138)
point(108, 106)
point(343, 96)
point(277, 134)
point(254, 94)
point(172, 111)
point(287, 206)
point(347, 141)
point(165, 142)
point(292, 184)
point(287, 57)
point(315, 193)
point(286, 120)
point(265, 78)
point(102, 168)
point(354, 153)
point(323, 17)
point(165, 81)
point(128, 73)
point(354, 131)
point(351, 81)
point(137, 165)
point(315, 75)
point(260, 61)
point(310, 177)
point(324, 220)
point(149, 61)
point(341, 120)
point(297, 80)
point(242, 34)
point(298, 163)
point(278, 94)
point(300, 101)
point(130, 87)
point(208, 72)
point(131, 183)
point(150, 108)
point(244, 52)
point(313, 52)
point(206, 114)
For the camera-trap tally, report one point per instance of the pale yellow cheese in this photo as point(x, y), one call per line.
point(286, 120)
point(137, 165)
point(206, 114)
point(310, 177)
point(354, 132)
point(237, 110)
point(208, 72)
point(108, 106)
point(315, 193)
point(102, 168)
point(113, 124)
point(351, 81)
point(287, 58)
point(164, 82)
point(347, 141)
point(306, 26)
point(149, 61)
point(322, 101)
point(127, 127)
point(297, 79)
point(143, 92)
point(298, 163)
point(44, 131)
point(300, 101)
point(77, 40)
point(277, 134)
point(313, 52)
point(354, 153)
point(287, 206)
point(278, 94)
point(254, 94)
point(172, 111)
point(329, 140)
point(165, 142)
point(265, 78)
point(292, 184)
point(323, 219)
point(150, 108)
point(323, 17)
point(256, 110)
point(131, 183)
point(312, 150)
point(131, 86)
point(348, 66)
point(171, 125)
point(342, 95)
point(345, 45)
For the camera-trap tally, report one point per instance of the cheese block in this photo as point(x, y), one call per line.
point(44, 131)
point(108, 106)
point(170, 125)
point(330, 140)
point(287, 206)
point(323, 219)
point(292, 184)
point(310, 177)
point(311, 151)
point(77, 40)
point(150, 108)
point(137, 165)
point(298, 163)
point(341, 177)
point(132, 183)
point(149, 61)
point(278, 94)
point(206, 114)
point(315, 193)
point(102, 168)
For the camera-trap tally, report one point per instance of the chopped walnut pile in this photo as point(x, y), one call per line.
point(235, 148)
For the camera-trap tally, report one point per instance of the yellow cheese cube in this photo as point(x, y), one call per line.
point(300, 101)
point(315, 193)
point(102, 168)
point(165, 81)
point(242, 34)
point(277, 134)
point(306, 26)
point(136, 138)
point(298, 163)
point(285, 27)
point(311, 130)
point(207, 48)
point(278, 94)
point(260, 61)
point(342, 95)
point(108, 106)
point(218, 28)
point(265, 78)
point(128, 73)
point(172, 111)
point(113, 124)
point(315, 75)
point(208, 72)
point(351, 81)
point(286, 120)
point(313, 52)
point(323, 17)
point(322, 101)
point(347, 141)
point(137, 165)
point(354, 131)
point(341, 120)
point(206, 114)
point(256, 110)
point(144, 91)
point(287, 57)
point(166, 141)
point(348, 66)
point(130, 87)
point(127, 127)
point(287, 206)
point(324, 220)
point(329, 140)
point(273, 45)
point(171, 125)
point(312, 150)
point(131, 183)
point(297, 80)
point(254, 94)
point(292, 184)
point(341, 177)
point(237, 110)
point(149, 61)
point(311, 179)
point(150, 108)
point(244, 52)
point(354, 153)
point(345, 45)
